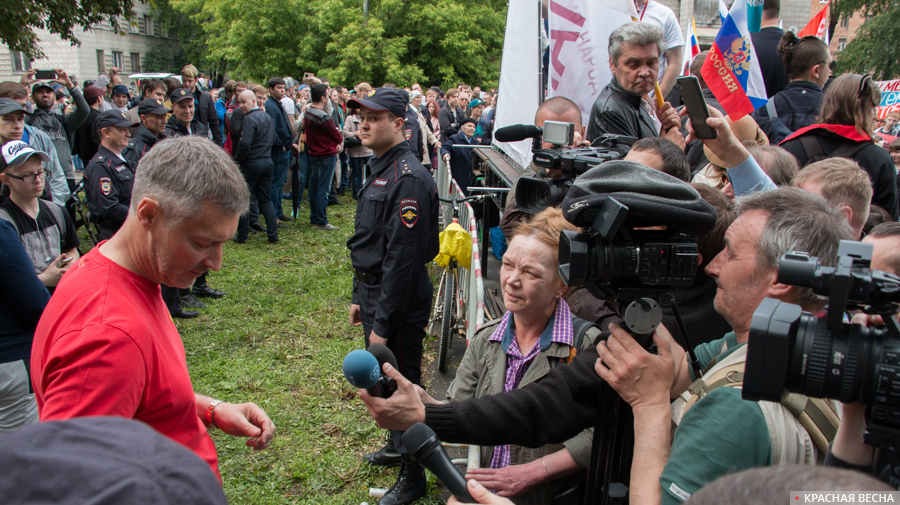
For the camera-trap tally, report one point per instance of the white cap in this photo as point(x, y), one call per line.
point(16, 152)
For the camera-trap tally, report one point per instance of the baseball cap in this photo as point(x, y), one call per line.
point(181, 94)
point(42, 84)
point(114, 117)
point(120, 89)
point(382, 100)
point(92, 93)
point(152, 106)
point(16, 152)
point(8, 105)
point(475, 103)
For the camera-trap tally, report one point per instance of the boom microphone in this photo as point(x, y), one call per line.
point(426, 449)
point(517, 132)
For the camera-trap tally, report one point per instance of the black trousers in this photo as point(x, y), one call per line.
point(259, 181)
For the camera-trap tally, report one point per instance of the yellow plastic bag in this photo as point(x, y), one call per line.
point(455, 243)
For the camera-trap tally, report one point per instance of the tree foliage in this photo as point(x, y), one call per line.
point(21, 19)
point(401, 41)
point(874, 48)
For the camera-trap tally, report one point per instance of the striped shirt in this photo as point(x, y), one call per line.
point(559, 329)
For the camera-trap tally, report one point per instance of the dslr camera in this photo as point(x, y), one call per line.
point(824, 357)
point(535, 194)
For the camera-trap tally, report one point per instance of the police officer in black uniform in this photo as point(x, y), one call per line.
point(396, 236)
point(110, 177)
point(153, 124)
point(412, 132)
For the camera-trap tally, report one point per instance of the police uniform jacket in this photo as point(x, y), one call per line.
point(175, 128)
point(140, 144)
point(396, 234)
point(108, 190)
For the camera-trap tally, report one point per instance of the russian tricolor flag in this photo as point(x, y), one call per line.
point(691, 48)
point(731, 70)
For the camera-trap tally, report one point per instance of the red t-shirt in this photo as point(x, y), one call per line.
point(106, 346)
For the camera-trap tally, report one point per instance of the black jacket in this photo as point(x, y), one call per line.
point(86, 139)
point(140, 144)
point(282, 127)
point(797, 106)
point(61, 128)
point(618, 111)
point(412, 132)
point(765, 44)
point(460, 159)
point(205, 112)
point(257, 135)
point(873, 159)
point(175, 128)
point(108, 190)
point(450, 120)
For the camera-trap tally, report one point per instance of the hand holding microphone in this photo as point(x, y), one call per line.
point(363, 370)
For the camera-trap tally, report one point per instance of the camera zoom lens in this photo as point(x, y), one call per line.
point(830, 365)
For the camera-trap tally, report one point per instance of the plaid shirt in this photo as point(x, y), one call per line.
point(559, 330)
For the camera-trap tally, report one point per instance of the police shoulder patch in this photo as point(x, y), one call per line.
point(105, 185)
point(409, 211)
point(407, 134)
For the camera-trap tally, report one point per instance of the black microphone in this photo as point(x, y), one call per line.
point(425, 448)
point(385, 386)
point(517, 132)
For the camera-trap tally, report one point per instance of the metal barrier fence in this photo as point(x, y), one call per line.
point(471, 285)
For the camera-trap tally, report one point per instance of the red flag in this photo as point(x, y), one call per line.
point(817, 26)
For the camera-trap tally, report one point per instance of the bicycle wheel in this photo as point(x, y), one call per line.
point(448, 310)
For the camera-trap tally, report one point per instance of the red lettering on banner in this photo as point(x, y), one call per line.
point(560, 37)
point(567, 14)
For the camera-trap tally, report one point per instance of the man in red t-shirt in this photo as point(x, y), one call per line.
point(106, 345)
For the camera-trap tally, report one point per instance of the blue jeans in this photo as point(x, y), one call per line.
point(321, 175)
point(300, 181)
point(281, 159)
point(345, 172)
point(357, 166)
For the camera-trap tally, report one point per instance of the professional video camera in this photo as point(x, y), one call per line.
point(825, 357)
point(535, 194)
point(636, 246)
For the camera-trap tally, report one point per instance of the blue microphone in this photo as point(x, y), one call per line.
point(362, 370)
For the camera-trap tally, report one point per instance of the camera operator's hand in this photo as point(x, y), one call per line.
point(726, 145)
point(640, 378)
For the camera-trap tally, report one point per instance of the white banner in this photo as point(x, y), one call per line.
point(520, 75)
point(579, 38)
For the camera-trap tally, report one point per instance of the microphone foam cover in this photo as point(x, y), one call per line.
point(361, 369)
point(418, 438)
point(383, 355)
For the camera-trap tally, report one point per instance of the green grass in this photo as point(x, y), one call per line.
point(278, 339)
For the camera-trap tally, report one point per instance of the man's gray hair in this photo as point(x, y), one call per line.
point(635, 33)
point(185, 174)
point(800, 221)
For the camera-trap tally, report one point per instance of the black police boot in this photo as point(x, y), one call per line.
point(180, 313)
point(187, 299)
point(410, 486)
point(204, 291)
point(386, 456)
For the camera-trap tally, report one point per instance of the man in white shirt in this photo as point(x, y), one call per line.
point(652, 11)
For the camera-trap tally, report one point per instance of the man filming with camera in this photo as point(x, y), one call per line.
point(717, 434)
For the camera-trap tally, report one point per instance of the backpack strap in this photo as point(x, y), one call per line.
point(813, 148)
point(580, 329)
point(6, 216)
point(770, 108)
point(849, 149)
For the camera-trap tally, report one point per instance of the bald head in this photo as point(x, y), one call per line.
point(247, 101)
point(560, 109)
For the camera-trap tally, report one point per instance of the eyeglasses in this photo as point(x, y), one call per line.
point(29, 178)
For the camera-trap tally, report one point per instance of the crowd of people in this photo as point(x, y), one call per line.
point(173, 172)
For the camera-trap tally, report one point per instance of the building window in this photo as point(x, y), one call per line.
point(842, 43)
point(20, 62)
point(118, 59)
point(101, 62)
point(845, 21)
point(157, 30)
point(136, 62)
point(148, 25)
